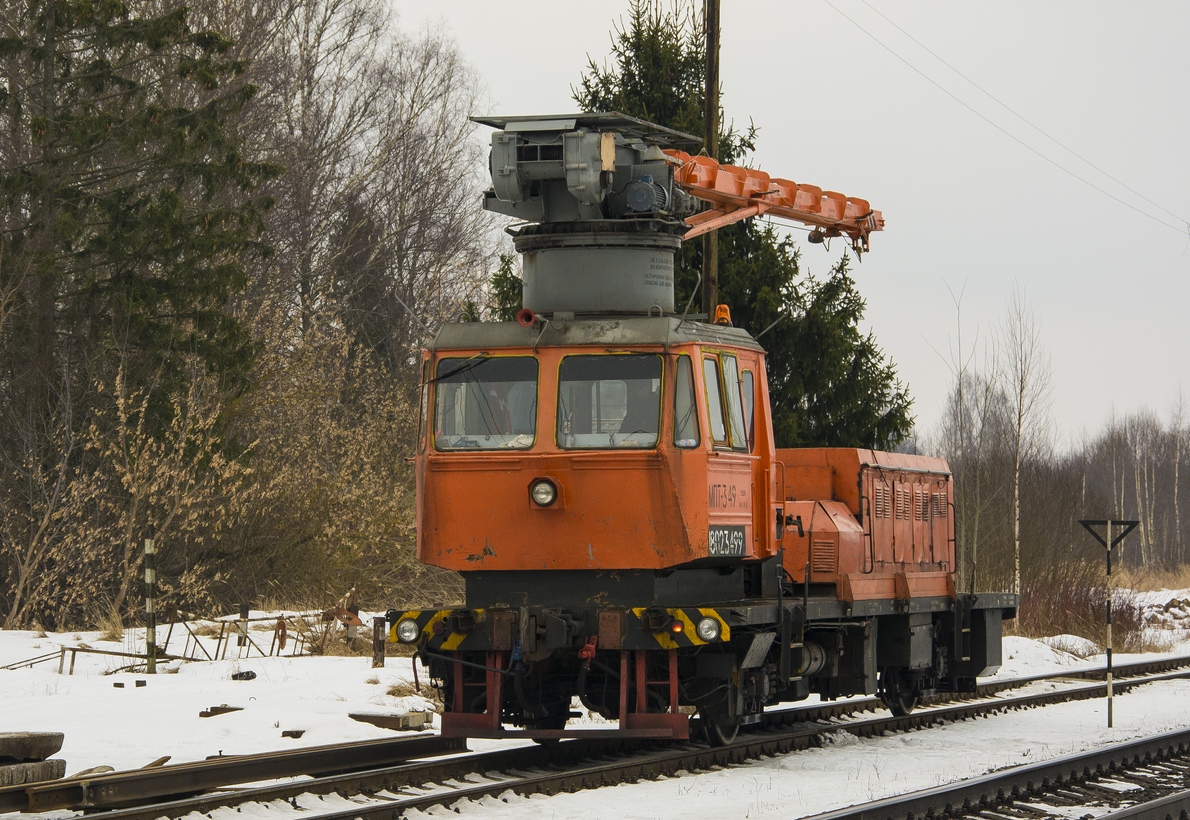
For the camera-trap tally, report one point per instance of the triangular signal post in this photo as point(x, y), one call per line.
point(1108, 543)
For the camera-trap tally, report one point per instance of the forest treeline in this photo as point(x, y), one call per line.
point(226, 228)
point(1022, 484)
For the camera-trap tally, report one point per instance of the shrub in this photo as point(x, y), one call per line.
point(1071, 598)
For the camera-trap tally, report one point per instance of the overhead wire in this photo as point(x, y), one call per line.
point(1023, 118)
point(1185, 229)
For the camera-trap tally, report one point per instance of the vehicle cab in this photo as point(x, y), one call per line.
point(609, 444)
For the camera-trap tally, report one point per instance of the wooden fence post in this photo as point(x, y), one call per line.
point(378, 638)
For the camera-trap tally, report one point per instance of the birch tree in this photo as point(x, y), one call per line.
point(1178, 423)
point(969, 435)
point(1026, 369)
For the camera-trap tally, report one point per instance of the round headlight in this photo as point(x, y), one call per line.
point(708, 629)
point(407, 631)
point(543, 493)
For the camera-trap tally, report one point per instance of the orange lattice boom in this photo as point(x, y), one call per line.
point(738, 193)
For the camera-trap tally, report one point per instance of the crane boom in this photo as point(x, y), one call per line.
point(739, 193)
point(605, 201)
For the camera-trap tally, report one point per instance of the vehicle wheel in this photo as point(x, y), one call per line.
point(552, 723)
point(899, 694)
point(719, 734)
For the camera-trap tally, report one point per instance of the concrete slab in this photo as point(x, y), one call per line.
point(404, 722)
point(19, 747)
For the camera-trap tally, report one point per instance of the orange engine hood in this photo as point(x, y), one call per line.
point(614, 511)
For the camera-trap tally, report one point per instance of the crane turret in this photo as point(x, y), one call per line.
point(607, 199)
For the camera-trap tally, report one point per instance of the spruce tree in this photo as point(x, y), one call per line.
point(830, 385)
point(126, 204)
point(505, 301)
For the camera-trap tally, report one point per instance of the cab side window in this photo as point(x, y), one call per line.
point(749, 406)
point(710, 372)
point(685, 406)
point(423, 409)
point(735, 404)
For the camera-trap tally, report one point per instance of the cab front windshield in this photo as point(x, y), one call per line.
point(487, 403)
point(609, 401)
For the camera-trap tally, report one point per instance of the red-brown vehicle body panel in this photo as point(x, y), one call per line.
point(879, 525)
point(626, 509)
point(876, 525)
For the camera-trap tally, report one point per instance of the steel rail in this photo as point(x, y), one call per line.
point(1032, 781)
point(686, 758)
point(842, 708)
point(370, 781)
point(136, 786)
point(570, 765)
point(1174, 806)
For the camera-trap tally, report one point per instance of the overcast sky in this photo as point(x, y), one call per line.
point(968, 208)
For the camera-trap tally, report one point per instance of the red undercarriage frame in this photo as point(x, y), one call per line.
point(634, 722)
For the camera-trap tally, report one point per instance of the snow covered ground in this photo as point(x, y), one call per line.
point(131, 726)
point(1167, 612)
point(853, 771)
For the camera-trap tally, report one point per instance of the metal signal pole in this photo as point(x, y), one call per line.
point(710, 241)
point(1108, 542)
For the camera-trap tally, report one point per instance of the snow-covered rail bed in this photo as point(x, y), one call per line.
point(1136, 779)
point(849, 770)
point(494, 779)
point(130, 726)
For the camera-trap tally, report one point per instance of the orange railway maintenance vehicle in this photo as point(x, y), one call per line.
point(603, 475)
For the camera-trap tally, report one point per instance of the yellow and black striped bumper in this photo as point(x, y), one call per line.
point(435, 636)
point(689, 618)
point(633, 629)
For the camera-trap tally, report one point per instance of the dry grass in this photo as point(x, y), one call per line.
point(38, 630)
point(401, 690)
point(1071, 599)
point(1072, 645)
point(425, 587)
point(271, 603)
point(372, 681)
point(207, 630)
point(1152, 640)
point(108, 623)
point(332, 641)
point(1146, 579)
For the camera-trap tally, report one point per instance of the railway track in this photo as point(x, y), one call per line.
point(384, 787)
point(1143, 779)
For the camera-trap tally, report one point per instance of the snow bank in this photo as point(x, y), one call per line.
point(1025, 656)
point(1079, 647)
